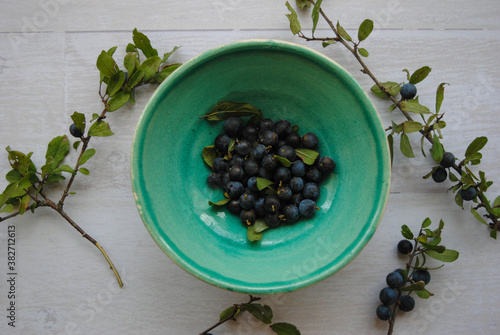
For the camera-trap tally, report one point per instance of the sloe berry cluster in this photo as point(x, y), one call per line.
point(392, 295)
point(261, 171)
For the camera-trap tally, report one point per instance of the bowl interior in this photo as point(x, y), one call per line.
point(284, 81)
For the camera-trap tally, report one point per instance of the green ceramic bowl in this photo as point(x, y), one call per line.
point(284, 80)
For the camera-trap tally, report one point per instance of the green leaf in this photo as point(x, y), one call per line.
point(13, 176)
point(65, 168)
point(419, 75)
point(405, 146)
point(343, 33)
point(328, 42)
point(142, 42)
point(392, 88)
point(168, 54)
point(8, 208)
point(390, 142)
point(437, 149)
point(493, 234)
point(434, 248)
point(413, 106)
point(365, 29)
point(20, 162)
point(225, 109)
point(252, 236)
point(112, 50)
point(86, 156)
point(150, 66)
point(129, 62)
point(294, 21)
point(447, 256)
point(303, 3)
point(135, 79)
point(228, 312)
point(54, 178)
point(106, 65)
point(262, 313)
point(130, 48)
point(283, 328)
point(220, 202)
point(57, 150)
point(363, 52)
point(165, 72)
point(262, 183)
point(84, 171)
point(423, 294)
point(477, 216)
point(406, 232)
point(476, 145)
point(315, 15)
point(411, 127)
point(285, 162)
point(100, 129)
point(24, 203)
point(307, 155)
point(418, 286)
point(208, 154)
point(117, 101)
point(79, 121)
point(115, 83)
point(426, 223)
point(260, 226)
point(440, 96)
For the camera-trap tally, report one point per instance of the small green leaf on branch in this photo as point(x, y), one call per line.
point(283, 328)
point(343, 33)
point(86, 156)
point(294, 21)
point(419, 75)
point(365, 29)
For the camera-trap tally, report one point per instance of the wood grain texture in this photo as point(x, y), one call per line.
point(47, 70)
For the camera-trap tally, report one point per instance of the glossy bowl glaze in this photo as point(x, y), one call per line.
point(285, 81)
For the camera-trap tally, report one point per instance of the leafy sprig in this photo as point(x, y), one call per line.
point(263, 313)
point(427, 243)
point(430, 127)
point(27, 188)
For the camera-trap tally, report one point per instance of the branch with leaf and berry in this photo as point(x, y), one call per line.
point(468, 185)
point(27, 188)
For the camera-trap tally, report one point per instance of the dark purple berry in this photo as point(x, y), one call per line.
point(421, 275)
point(408, 91)
point(469, 193)
point(75, 131)
point(439, 175)
point(384, 312)
point(406, 303)
point(388, 296)
point(232, 126)
point(448, 160)
point(405, 247)
point(310, 141)
point(394, 280)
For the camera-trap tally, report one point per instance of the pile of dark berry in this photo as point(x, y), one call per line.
point(268, 171)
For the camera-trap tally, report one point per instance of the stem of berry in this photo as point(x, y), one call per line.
point(495, 223)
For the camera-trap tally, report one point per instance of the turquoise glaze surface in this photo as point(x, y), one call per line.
point(284, 80)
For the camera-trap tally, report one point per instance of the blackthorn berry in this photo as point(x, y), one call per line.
point(310, 191)
point(75, 131)
point(326, 164)
point(232, 126)
point(214, 180)
point(272, 204)
point(394, 280)
point(291, 213)
point(247, 216)
point(384, 312)
point(220, 165)
point(252, 184)
point(296, 199)
point(269, 138)
point(283, 128)
point(222, 142)
point(313, 174)
point(236, 173)
point(243, 148)
point(421, 275)
point(264, 173)
point(298, 168)
point(284, 193)
point(293, 140)
point(296, 184)
point(234, 189)
point(406, 303)
point(448, 160)
point(269, 162)
point(439, 175)
point(260, 211)
point(408, 91)
point(469, 193)
point(251, 168)
point(237, 160)
point(310, 141)
point(266, 124)
point(388, 296)
point(282, 175)
point(405, 247)
point(307, 208)
point(247, 200)
point(259, 152)
point(273, 220)
point(250, 133)
point(288, 152)
point(234, 206)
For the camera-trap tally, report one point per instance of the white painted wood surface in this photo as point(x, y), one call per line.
point(48, 50)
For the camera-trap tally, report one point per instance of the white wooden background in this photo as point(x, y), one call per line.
point(48, 50)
